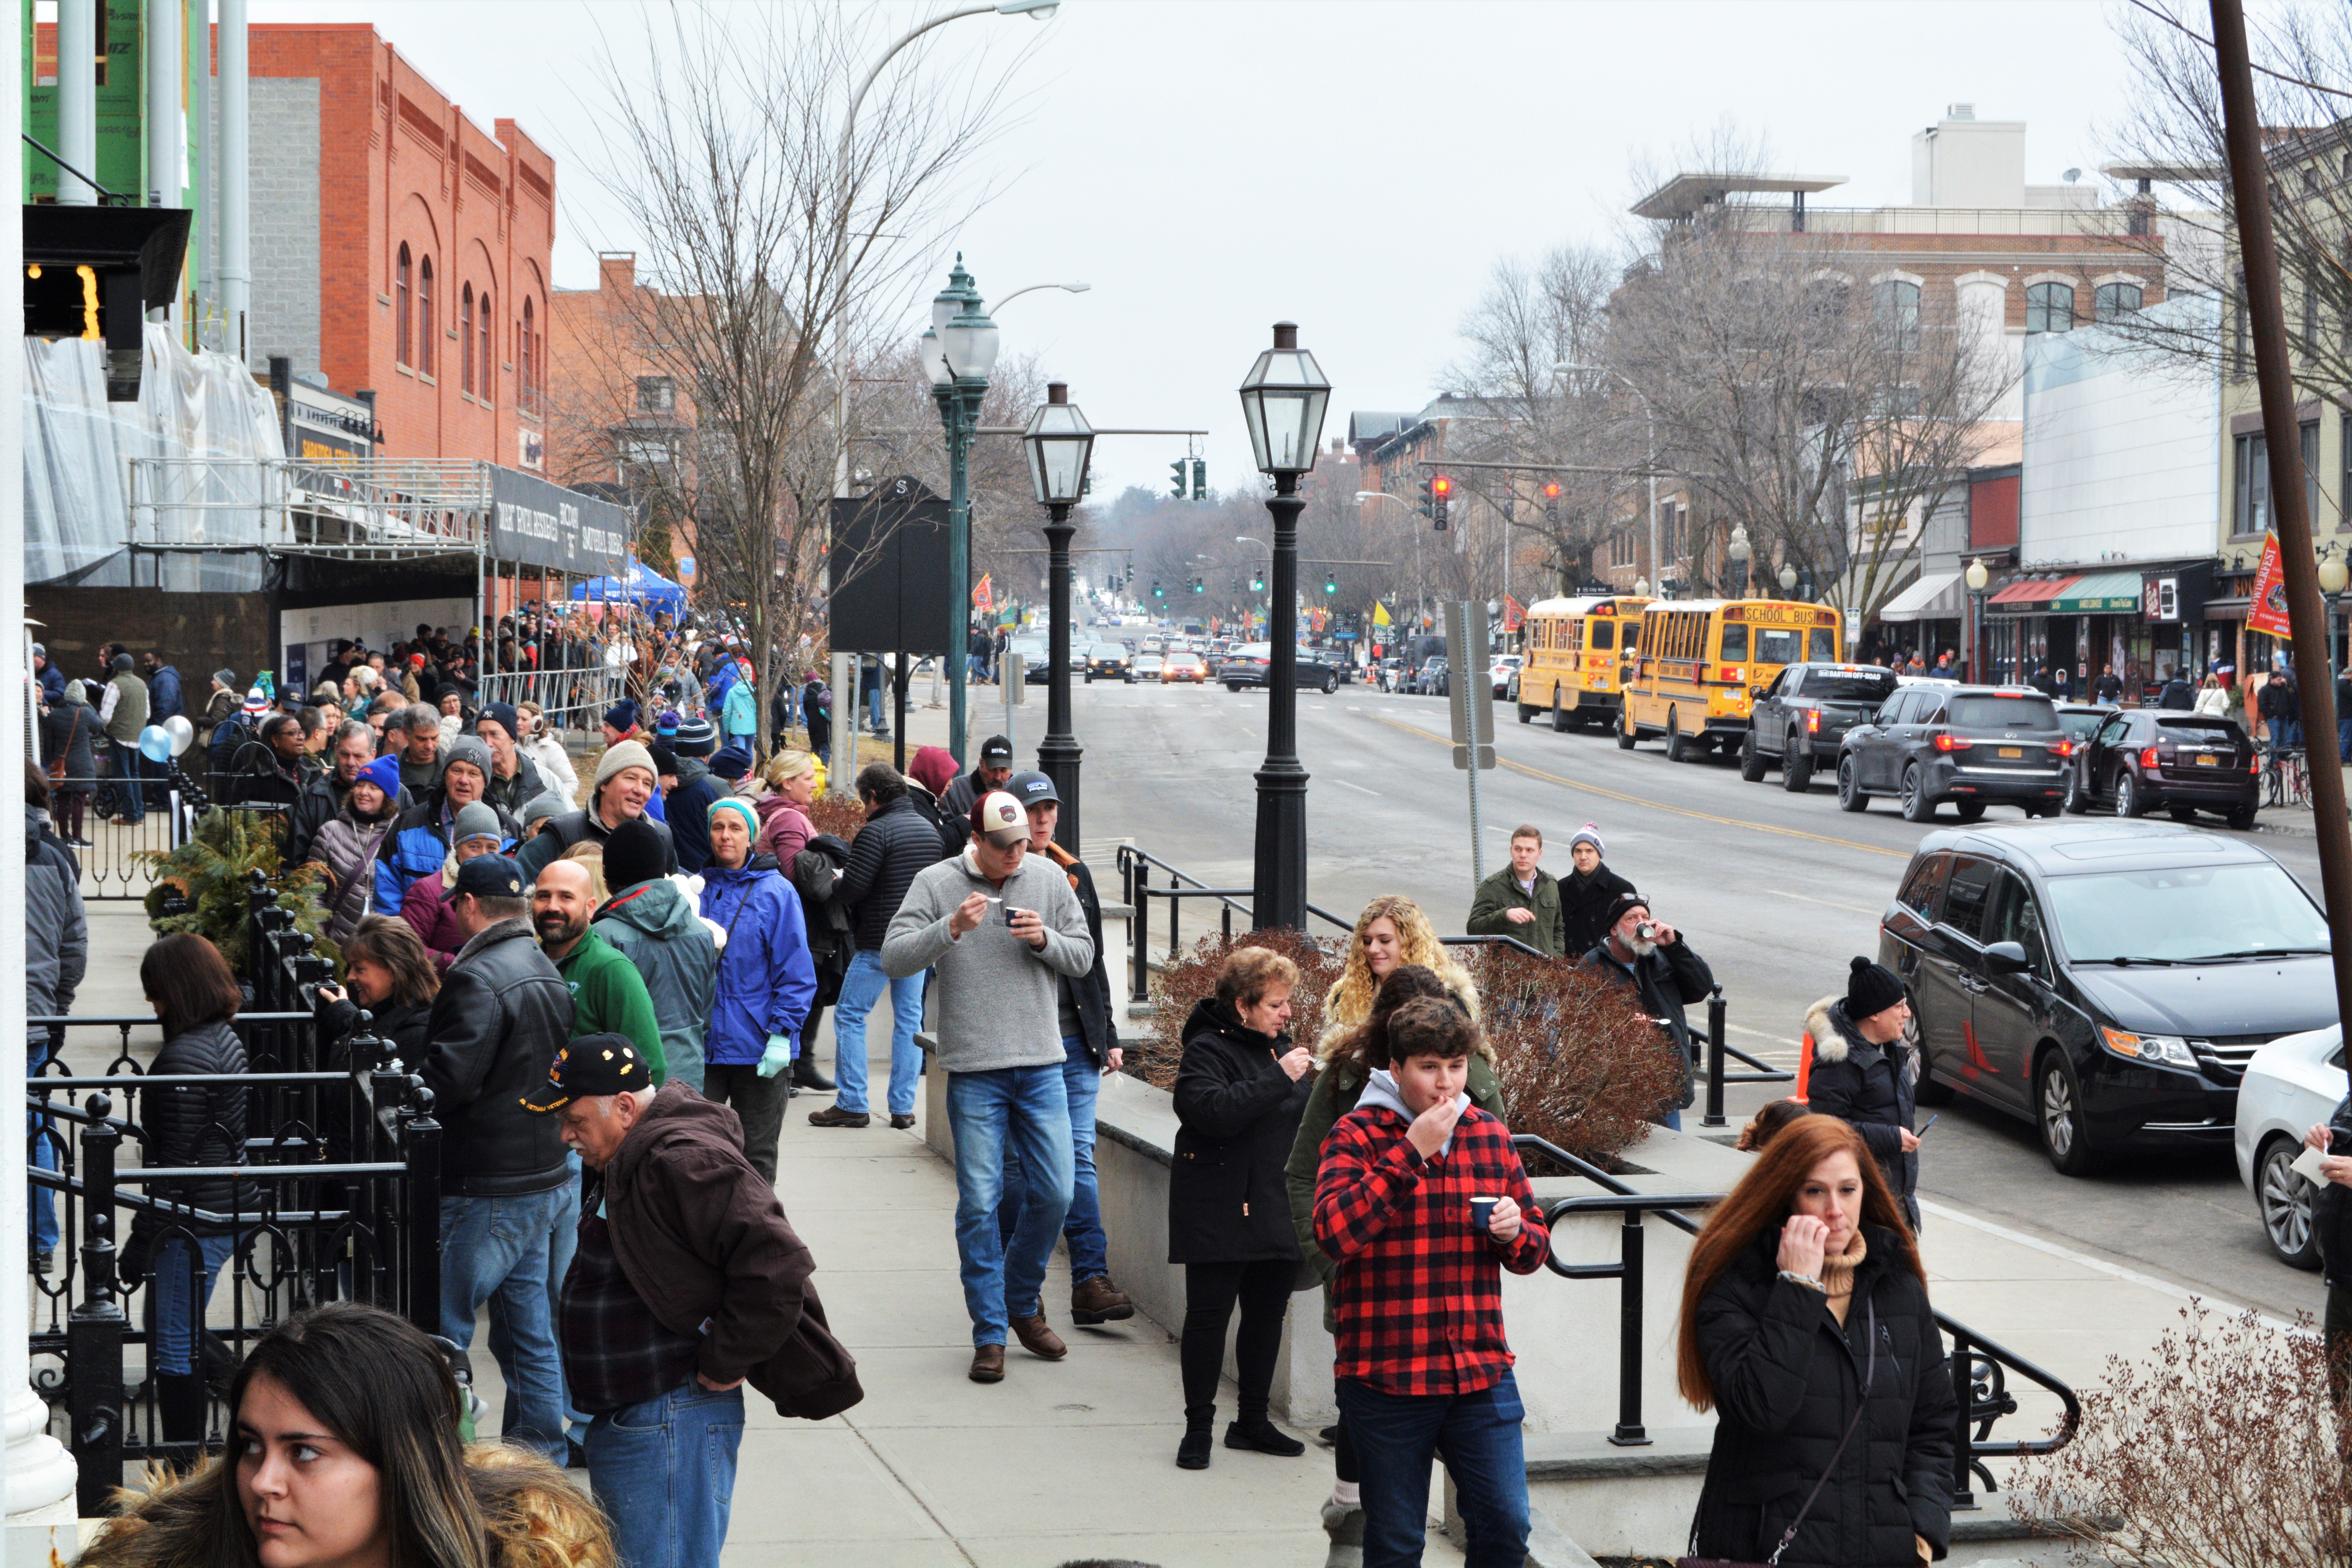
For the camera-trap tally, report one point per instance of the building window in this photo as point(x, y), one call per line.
point(424, 315)
point(2114, 302)
point(487, 382)
point(400, 308)
point(2237, 329)
point(529, 359)
point(2342, 495)
point(2311, 319)
point(1894, 305)
point(2050, 307)
point(465, 339)
point(2250, 515)
point(656, 394)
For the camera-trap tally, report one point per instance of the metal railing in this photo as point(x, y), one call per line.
point(385, 510)
point(112, 842)
point(1980, 1368)
point(1716, 1049)
point(574, 699)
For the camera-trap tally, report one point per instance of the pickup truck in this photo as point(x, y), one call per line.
point(1799, 720)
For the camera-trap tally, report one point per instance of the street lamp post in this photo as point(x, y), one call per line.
point(1059, 442)
point(1283, 401)
point(1739, 550)
point(1978, 579)
point(957, 353)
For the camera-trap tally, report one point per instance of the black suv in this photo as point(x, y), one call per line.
point(1800, 719)
point(2161, 760)
point(1972, 745)
point(2108, 981)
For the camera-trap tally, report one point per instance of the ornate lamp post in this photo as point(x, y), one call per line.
point(1739, 550)
point(1978, 578)
point(957, 353)
point(1059, 442)
point(1283, 400)
point(2334, 575)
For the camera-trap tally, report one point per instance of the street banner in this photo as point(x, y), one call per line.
point(983, 597)
point(2266, 609)
point(1381, 614)
point(1008, 615)
point(1515, 613)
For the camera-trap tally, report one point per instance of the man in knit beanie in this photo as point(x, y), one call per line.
point(1586, 891)
point(1862, 1070)
point(625, 781)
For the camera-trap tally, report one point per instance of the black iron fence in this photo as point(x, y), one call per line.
point(339, 1199)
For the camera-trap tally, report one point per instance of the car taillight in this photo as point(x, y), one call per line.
point(1813, 721)
point(2254, 762)
point(2063, 749)
point(2147, 758)
point(1953, 743)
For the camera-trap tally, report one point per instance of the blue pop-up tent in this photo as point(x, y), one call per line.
point(644, 588)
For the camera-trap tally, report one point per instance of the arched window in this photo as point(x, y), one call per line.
point(400, 304)
point(2114, 302)
point(1894, 306)
point(465, 339)
point(424, 315)
point(530, 361)
point(490, 361)
point(2050, 307)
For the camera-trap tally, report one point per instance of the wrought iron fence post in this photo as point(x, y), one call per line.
point(1715, 1010)
point(1629, 1433)
point(94, 1330)
point(421, 1152)
point(1139, 899)
point(1964, 1495)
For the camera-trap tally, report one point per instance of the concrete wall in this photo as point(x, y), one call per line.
point(285, 194)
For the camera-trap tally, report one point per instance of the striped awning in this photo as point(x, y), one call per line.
point(2033, 594)
point(2100, 594)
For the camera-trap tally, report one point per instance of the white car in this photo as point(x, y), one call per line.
point(1505, 665)
point(2291, 1082)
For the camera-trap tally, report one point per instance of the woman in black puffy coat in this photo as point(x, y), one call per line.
point(1806, 1328)
point(1239, 1092)
point(195, 995)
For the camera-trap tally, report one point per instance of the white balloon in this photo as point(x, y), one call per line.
point(183, 733)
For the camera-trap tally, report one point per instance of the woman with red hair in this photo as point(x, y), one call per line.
point(1806, 1328)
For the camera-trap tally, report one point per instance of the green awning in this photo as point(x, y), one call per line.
point(2100, 594)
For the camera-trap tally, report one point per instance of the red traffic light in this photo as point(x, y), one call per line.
point(1551, 490)
point(1440, 485)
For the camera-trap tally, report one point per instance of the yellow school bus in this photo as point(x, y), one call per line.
point(1701, 662)
point(1576, 651)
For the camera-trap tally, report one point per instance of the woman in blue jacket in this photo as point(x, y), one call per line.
point(767, 981)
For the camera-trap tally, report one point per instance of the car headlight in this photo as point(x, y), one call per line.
point(2170, 1050)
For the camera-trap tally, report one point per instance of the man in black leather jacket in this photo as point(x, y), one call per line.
point(502, 1014)
point(1650, 957)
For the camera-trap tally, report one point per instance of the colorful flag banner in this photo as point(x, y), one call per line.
point(983, 597)
point(2267, 609)
point(1515, 615)
point(1381, 614)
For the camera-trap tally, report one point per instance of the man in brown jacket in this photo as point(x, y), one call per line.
point(688, 1282)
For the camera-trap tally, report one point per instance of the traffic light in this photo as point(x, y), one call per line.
point(1258, 582)
point(1177, 467)
point(1330, 583)
point(1428, 500)
point(1440, 488)
point(1551, 503)
point(1199, 586)
point(1199, 478)
point(1157, 591)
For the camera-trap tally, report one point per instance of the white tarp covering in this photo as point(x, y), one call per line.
point(78, 446)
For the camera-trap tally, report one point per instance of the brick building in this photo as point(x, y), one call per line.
point(398, 246)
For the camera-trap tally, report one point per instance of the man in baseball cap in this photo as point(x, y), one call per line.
point(1650, 957)
point(994, 767)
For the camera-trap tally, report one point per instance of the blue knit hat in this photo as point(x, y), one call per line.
point(696, 738)
point(623, 715)
point(384, 773)
point(730, 763)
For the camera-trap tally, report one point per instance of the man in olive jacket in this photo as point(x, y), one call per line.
point(1522, 900)
point(688, 1282)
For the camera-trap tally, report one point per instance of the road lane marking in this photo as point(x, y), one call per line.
point(1360, 789)
point(1518, 767)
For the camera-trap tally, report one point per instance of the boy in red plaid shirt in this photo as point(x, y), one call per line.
point(1424, 1373)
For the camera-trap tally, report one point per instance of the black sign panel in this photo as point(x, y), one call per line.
point(889, 571)
point(537, 521)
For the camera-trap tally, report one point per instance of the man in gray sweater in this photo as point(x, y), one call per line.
point(1003, 930)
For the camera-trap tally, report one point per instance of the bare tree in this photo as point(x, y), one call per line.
point(772, 251)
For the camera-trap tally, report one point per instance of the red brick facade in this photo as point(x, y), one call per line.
point(402, 167)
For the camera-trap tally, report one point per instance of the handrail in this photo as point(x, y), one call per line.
point(1984, 1400)
point(1496, 939)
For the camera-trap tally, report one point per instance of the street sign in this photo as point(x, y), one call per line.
point(1462, 757)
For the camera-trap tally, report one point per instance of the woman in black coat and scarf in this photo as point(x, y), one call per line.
point(1865, 1071)
point(388, 971)
point(1806, 1328)
point(1239, 1094)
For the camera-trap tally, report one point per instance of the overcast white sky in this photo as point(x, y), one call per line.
point(1212, 167)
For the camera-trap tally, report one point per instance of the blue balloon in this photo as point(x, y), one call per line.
point(155, 743)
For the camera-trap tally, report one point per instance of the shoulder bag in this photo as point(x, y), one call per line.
point(1862, 1408)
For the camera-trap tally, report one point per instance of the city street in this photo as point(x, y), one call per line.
point(1777, 892)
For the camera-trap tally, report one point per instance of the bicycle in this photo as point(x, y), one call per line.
point(2284, 780)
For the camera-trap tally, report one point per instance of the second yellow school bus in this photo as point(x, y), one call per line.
point(1575, 656)
point(1701, 661)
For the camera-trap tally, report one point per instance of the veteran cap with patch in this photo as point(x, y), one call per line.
point(590, 1065)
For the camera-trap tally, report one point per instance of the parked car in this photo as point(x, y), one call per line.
point(1389, 673)
point(2149, 759)
point(1183, 667)
point(1801, 718)
point(1429, 680)
point(2108, 981)
point(1504, 670)
point(1109, 661)
point(1247, 666)
point(1150, 667)
point(1972, 745)
point(1320, 670)
point(2291, 1083)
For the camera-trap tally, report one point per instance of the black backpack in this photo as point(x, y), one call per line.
point(815, 870)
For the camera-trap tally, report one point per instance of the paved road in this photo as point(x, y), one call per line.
point(1776, 891)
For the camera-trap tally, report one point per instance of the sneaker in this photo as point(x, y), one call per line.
point(834, 1116)
point(575, 1457)
point(901, 1123)
point(44, 1261)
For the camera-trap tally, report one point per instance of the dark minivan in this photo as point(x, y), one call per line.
point(2106, 980)
point(1972, 745)
point(2161, 760)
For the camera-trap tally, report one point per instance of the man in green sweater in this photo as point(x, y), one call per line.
point(1522, 900)
point(608, 995)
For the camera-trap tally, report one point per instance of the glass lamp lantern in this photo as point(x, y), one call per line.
point(970, 342)
point(1978, 576)
point(1283, 399)
point(1060, 443)
point(953, 297)
point(1787, 578)
point(935, 361)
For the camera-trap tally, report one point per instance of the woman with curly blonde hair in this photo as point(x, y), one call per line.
point(1390, 934)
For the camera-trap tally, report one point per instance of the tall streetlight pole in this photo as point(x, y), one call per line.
point(1283, 400)
point(1650, 423)
point(1978, 580)
point(1059, 443)
point(957, 353)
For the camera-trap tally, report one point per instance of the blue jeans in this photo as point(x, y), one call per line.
point(2343, 737)
point(130, 788)
point(1026, 1109)
point(665, 1472)
point(41, 1131)
point(1082, 1228)
point(874, 706)
point(500, 1246)
point(860, 989)
point(1477, 1436)
point(180, 1290)
point(562, 1241)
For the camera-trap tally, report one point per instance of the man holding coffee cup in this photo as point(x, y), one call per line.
point(1651, 957)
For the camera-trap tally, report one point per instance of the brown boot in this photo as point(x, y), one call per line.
point(834, 1116)
point(1038, 1338)
point(988, 1363)
point(1097, 1300)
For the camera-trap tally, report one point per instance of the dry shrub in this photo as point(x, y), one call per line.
point(2224, 1452)
point(1581, 1064)
point(839, 815)
point(1178, 988)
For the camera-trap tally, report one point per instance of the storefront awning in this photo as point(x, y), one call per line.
point(1934, 597)
point(2031, 593)
point(2101, 594)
